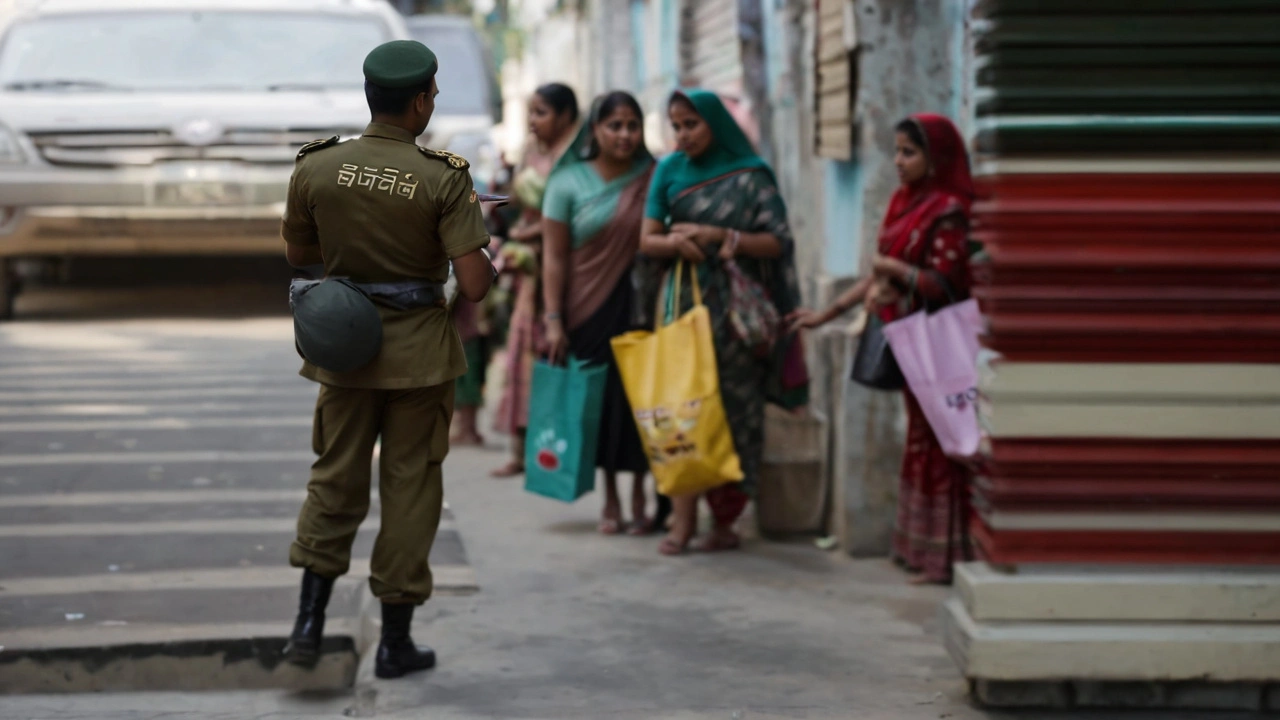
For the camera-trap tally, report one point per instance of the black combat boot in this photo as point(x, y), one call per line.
point(397, 655)
point(304, 644)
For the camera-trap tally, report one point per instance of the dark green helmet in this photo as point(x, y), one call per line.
point(336, 326)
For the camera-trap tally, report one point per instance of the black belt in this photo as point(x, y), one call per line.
point(400, 295)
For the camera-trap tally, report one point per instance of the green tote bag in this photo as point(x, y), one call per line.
point(565, 404)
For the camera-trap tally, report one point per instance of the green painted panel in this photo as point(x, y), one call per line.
point(1002, 8)
point(1201, 56)
point(1129, 30)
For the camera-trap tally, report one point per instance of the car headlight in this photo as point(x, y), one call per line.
point(10, 152)
point(478, 149)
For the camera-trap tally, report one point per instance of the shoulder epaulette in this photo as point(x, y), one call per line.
point(457, 162)
point(317, 145)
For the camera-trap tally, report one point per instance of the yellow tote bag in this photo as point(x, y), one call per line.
point(673, 385)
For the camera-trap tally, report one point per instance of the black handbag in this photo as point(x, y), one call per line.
point(873, 363)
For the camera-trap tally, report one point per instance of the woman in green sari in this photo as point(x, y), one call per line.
point(712, 201)
point(591, 217)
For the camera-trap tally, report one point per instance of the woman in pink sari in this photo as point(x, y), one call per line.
point(922, 261)
point(553, 123)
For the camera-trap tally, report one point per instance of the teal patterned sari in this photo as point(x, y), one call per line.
point(746, 200)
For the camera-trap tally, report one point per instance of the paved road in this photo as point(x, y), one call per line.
point(151, 470)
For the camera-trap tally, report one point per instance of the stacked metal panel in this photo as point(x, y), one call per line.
point(1128, 156)
point(1131, 215)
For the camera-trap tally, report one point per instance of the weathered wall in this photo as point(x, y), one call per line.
point(907, 65)
point(788, 53)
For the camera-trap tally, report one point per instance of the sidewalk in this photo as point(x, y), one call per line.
point(570, 624)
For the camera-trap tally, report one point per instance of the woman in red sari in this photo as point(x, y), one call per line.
point(922, 261)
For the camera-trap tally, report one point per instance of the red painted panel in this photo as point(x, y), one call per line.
point(1126, 547)
point(1138, 186)
point(1129, 268)
point(1044, 494)
point(1129, 458)
point(1009, 298)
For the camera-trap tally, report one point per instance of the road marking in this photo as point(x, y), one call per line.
point(163, 423)
point(144, 395)
point(216, 578)
point(304, 400)
point(156, 497)
point(139, 369)
point(228, 526)
point(455, 577)
point(98, 635)
point(144, 381)
point(76, 410)
point(157, 458)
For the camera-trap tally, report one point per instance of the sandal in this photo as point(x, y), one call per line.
point(510, 470)
point(717, 542)
point(609, 526)
point(467, 440)
point(641, 528)
point(672, 547)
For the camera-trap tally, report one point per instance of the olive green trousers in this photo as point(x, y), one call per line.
point(414, 427)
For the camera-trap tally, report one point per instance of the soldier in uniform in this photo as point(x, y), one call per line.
point(385, 217)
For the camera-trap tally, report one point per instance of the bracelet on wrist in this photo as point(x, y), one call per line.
point(551, 316)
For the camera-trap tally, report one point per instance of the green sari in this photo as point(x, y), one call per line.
point(729, 187)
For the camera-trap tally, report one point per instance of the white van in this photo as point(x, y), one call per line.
point(470, 101)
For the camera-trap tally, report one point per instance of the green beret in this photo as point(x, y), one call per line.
point(400, 64)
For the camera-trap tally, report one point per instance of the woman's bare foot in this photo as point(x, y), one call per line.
point(466, 439)
point(720, 540)
point(640, 523)
point(677, 540)
point(611, 517)
point(512, 469)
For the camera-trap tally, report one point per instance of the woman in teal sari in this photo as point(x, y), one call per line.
point(712, 201)
point(591, 216)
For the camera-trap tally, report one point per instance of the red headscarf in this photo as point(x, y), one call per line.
point(946, 190)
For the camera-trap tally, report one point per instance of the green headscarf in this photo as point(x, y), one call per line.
point(730, 151)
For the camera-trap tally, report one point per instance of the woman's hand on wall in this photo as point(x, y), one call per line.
point(806, 319)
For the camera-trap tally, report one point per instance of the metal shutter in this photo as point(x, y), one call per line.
point(835, 87)
point(710, 46)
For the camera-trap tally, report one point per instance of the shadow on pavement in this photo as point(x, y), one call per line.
point(140, 288)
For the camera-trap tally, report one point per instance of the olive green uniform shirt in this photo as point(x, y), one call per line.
point(382, 209)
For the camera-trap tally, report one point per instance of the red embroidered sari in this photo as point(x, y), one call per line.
point(926, 226)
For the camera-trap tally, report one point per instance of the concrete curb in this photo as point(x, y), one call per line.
point(184, 665)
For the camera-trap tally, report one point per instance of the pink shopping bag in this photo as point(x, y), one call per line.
point(938, 356)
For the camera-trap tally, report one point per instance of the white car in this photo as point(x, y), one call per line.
point(170, 127)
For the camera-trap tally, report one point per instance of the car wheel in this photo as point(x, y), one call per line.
point(9, 287)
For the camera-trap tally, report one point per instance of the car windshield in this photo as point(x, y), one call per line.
point(464, 77)
point(157, 51)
